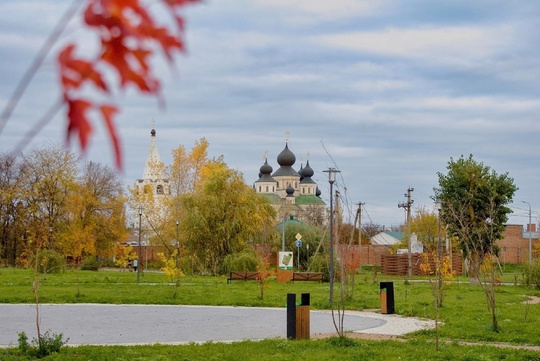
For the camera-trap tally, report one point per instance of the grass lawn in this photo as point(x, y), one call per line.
point(464, 315)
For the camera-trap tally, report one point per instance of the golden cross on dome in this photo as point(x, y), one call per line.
point(287, 136)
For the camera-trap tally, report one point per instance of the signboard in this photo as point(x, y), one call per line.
point(299, 243)
point(285, 260)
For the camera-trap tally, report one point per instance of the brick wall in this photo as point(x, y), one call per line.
point(515, 247)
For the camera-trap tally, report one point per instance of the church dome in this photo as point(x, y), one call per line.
point(318, 192)
point(290, 191)
point(307, 171)
point(286, 157)
point(153, 132)
point(266, 168)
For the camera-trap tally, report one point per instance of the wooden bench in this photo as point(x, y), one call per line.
point(307, 276)
point(242, 276)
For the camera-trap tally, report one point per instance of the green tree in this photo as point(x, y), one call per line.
point(222, 215)
point(474, 200)
point(311, 241)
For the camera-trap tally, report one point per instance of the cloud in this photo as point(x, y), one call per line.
point(451, 45)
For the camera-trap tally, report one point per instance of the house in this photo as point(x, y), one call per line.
point(387, 238)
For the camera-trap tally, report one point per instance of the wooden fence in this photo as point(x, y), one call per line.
point(397, 265)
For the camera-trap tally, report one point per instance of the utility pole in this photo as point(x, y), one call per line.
point(359, 212)
point(529, 229)
point(407, 206)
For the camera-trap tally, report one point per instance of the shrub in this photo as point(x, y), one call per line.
point(532, 274)
point(50, 261)
point(90, 264)
point(244, 261)
point(319, 263)
point(48, 344)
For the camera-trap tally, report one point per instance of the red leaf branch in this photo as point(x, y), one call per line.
point(129, 36)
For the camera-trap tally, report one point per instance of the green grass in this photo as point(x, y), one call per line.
point(283, 350)
point(464, 315)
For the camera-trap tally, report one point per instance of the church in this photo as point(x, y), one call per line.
point(153, 180)
point(291, 192)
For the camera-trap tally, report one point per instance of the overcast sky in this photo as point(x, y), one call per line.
point(386, 91)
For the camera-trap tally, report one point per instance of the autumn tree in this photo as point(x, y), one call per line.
point(425, 224)
point(222, 215)
point(95, 220)
point(49, 178)
point(12, 230)
point(50, 203)
point(183, 174)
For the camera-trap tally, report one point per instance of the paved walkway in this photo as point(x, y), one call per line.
point(97, 324)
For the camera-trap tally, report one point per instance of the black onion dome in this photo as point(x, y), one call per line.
point(301, 172)
point(153, 132)
point(290, 191)
point(307, 171)
point(286, 157)
point(318, 192)
point(266, 168)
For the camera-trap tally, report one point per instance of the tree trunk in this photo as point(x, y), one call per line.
point(473, 267)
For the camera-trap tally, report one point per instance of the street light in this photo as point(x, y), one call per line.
point(529, 226)
point(283, 228)
point(139, 250)
point(438, 204)
point(177, 244)
point(145, 251)
point(331, 179)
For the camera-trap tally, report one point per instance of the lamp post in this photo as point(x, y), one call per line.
point(529, 229)
point(283, 228)
point(139, 253)
point(145, 251)
point(331, 179)
point(438, 204)
point(177, 244)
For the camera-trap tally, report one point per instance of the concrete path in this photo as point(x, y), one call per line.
point(97, 324)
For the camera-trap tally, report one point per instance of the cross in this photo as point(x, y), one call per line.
point(153, 123)
point(286, 136)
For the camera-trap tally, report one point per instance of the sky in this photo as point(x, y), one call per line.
point(386, 91)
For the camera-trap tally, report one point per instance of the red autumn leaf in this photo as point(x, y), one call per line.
point(129, 35)
point(74, 72)
point(78, 121)
point(108, 112)
point(121, 57)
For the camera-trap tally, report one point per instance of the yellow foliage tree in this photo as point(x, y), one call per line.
point(222, 215)
point(171, 269)
point(125, 255)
